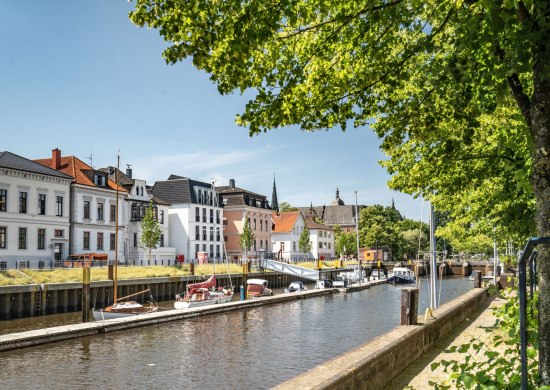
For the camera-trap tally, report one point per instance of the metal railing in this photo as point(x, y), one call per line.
point(528, 257)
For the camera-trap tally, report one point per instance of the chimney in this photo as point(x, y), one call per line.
point(56, 159)
point(232, 183)
point(129, 172)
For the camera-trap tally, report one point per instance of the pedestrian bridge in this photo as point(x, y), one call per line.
point(290, 269)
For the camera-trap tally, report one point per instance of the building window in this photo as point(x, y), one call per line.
point(204, 247)
point(58, 233)
point(261, 245)
point(211, 215)
point(197, 233)
point(320, 245)
point(113, 213)
point(112, 242)
point(254, 245)
point(217, 216)
point(86, 209)
point(59, 206)
point(161, 217)
point(204, 214)
point(282, 246)
point(218, 252)
point(204, 233)
point(266, 246)
point(211, 251)
point(42, 204)
point(217, 235)
point(196, 251)
point(3, 200)
point(329, 245)
point(86, 241)
point(197, 214)
point(135, 240)
point(99, 241)
point(100, 211)
point(161, 241)
point(41, 239)
point(294, 246)
point(211, 234)
point(261, 224)
point(3, 232)
point(22, 238)
point(22, 202)
point(255, 224)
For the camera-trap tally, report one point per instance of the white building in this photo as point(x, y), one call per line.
point(34, 213)
point(93, 208)
point(195, 217)
point(137, 201)
point(322, 240)
point(285, 236)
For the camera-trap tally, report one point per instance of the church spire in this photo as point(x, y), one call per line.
point(274, 202)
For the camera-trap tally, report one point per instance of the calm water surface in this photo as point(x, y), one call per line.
point(255, 348)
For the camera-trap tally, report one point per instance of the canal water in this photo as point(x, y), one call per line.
point(254, 348)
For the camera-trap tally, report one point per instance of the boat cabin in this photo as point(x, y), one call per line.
point(86, 260)
point(257, 288)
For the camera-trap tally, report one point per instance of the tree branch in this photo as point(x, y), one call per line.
point(522, 100)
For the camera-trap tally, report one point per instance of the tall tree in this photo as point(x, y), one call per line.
point(150, 232)
point(247, 237)
point(304, 242)
point(285, 206)
point(434, 78)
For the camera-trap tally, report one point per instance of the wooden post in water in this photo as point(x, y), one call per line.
point(245, 277)
point(409, 306)
point(477, 279)
point(85, 294)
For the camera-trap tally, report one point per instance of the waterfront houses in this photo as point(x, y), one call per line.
point(93, 207)
point(194, 216)
point(287, 227)
point(34, 213)
point(239, 204)
point(322, 239)
point(136, 202)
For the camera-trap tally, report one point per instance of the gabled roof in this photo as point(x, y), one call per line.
point(311, 224)
point(235, 196)
point(178, 189)
point(334, 215)
point(76, 168)
point(13, 161)
point(285, 221)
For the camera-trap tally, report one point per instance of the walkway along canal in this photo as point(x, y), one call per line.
point(253, 348)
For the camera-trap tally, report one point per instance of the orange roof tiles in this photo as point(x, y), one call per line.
point(74, 167)
point(285, 221)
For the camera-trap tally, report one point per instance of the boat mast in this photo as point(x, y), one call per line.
point(116, 230)
point(433, 261)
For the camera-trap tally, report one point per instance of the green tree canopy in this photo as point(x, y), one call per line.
point(285, 206)
point(150, 231)
point(459, 91)
point(304, 242)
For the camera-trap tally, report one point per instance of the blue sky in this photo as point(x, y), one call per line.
point(78, 75)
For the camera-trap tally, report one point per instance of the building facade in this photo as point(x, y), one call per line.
point(95, 202)
point(287, 228)
point(195, 217)
point(238, 205)
point(34, 213)
point(322, 240)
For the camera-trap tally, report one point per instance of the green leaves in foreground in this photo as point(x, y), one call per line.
point(496, 364)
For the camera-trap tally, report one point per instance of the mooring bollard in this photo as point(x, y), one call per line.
point(409, 306)
point(85, 294)
point(192, 268)
point(477, 279)
point(242, 292)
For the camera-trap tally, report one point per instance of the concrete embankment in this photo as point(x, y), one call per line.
point(48, 335)
point(374, 364)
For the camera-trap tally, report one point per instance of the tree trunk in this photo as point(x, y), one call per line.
point(540, 130)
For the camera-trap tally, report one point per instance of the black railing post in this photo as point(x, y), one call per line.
point(526, 256)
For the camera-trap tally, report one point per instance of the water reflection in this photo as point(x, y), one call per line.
point(255, 348)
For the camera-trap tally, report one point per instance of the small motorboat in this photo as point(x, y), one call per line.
point(257, 288)
point(401, 275)
point(295, 286)
point(377, 274)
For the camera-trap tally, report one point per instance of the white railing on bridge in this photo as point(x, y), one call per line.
point(290, 269)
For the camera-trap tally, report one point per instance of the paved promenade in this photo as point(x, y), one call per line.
point(418, 374)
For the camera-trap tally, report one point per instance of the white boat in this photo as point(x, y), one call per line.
point(203, 294)
point(295, 286)
point(352, 276)
point(257, 288)
point(377, 274)
point(124, 309)
point(401, 275)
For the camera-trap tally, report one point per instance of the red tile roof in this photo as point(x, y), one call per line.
point(285, 221)
point(74, 167)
